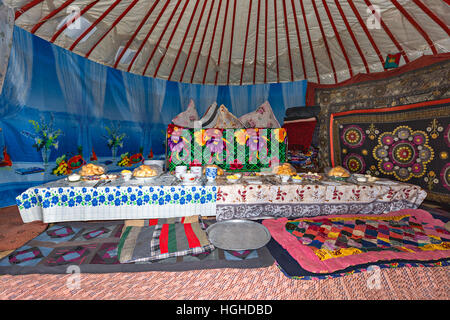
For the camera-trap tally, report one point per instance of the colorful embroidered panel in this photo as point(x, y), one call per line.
point(424, 84)
point(230, 149)
point(407, 143)
point(339, 237)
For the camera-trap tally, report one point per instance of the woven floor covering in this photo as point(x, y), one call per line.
point(231, 284)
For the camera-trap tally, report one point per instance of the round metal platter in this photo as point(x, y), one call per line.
point(238, 235)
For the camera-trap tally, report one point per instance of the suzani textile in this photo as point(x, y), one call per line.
point(408, 143)
point(231, 149)
point(413, 83)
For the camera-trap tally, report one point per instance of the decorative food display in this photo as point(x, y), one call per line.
point(145, 171)
point(285, 169)
point(338, 172)
point(62, 168)
point(92, 170)
point(127, 161)
point(297, 178)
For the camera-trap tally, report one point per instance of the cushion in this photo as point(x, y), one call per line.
point(226, 120)
point(262, 117)
point(296, 113)
point(188, 117)
point(220, 118)
point(162, 240)
point(210, 117)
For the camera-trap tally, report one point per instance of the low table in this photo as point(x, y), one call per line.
point(244, 200)
point(164, 197)
point(161, 197)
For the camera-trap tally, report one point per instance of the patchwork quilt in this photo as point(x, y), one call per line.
point(338, 237)
point(329, 244)
point(407, 143)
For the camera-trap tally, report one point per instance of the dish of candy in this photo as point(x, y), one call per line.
point(310, 176)
point(100, 177)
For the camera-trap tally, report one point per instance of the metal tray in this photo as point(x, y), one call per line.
point(238, 235)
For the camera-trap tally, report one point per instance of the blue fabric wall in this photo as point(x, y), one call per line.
point(34, 90)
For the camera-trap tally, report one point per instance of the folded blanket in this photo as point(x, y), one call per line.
point(300, 133)
point(152, 222)
point(161, 240)
point(296, 113)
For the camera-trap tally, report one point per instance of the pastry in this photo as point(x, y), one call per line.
point(145, 171)
point(338, 171)
point(285, 169)
point(91, 170)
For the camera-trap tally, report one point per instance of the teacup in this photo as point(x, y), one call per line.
point(211, 173)
point(188, 177)
point(197, 170)
point(179, 170)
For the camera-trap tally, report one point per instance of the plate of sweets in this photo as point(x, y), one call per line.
point(234, 177)
point(100, 177)
point(297, 178)
point(311, 176)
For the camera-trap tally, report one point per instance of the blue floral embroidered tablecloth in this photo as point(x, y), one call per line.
point(65, 201)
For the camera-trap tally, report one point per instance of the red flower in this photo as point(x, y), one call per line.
point(195, 163)
point(236, 165)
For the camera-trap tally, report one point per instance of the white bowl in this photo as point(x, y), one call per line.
point(188, 177)
point(159, 163)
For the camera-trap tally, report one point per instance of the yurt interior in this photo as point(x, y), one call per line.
point(225, 150)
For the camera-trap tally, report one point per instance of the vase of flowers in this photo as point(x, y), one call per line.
point(114, 139)
point(45, 137)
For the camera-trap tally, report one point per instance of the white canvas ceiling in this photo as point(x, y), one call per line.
point(236, 42)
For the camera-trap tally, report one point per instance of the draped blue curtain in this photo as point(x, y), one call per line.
point(18, 76)
point(6, 36)
point(83, 98)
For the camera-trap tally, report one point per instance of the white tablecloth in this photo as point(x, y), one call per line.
point(164, 197)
